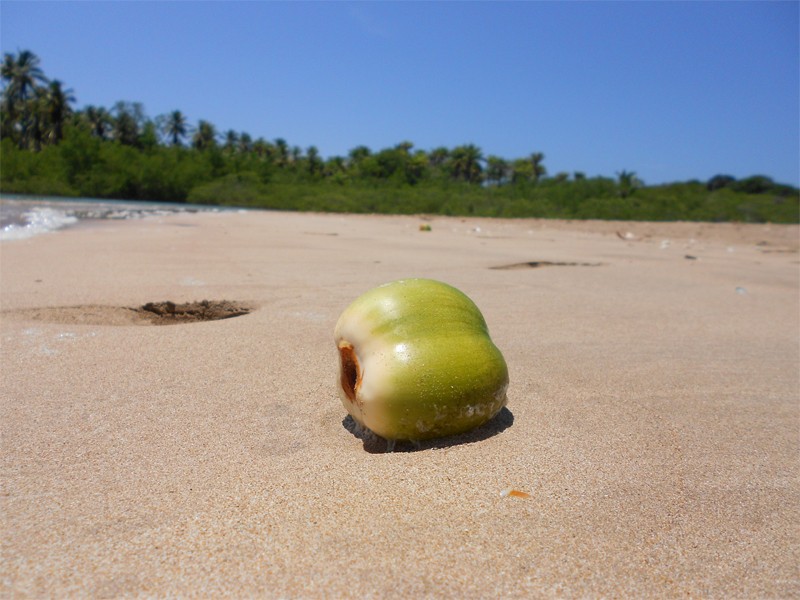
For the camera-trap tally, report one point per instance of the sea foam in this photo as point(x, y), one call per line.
point(39, 219)
point(22, 217)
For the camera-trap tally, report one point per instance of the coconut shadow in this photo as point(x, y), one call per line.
point(374, 444)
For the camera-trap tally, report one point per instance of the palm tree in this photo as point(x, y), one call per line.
point(404, 146)
point(417, 167)
point(521, 170)
point(231, 140)
point(176, 127)
point(496, 169)
point(283, 151)
point(35, 121)
point(21, 77)
point(356, 158)
point(7, 73)
point(126, 131)
point(627, 182)
point(720, 181)
point(438, 156)
point(263, 148)
point(314, 162)
point(465, 163)
point(358, 154)
point(148, 136)
point(21, 74)
point(538, 168)
point(57, 110)
point(335, 166)
point(205, 136)
point(128, 120)
point(296, 153)
point(245, 143)
point(99, 121)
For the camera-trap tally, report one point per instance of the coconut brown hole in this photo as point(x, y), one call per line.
point(350, 370)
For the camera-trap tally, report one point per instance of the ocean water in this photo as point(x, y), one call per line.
point(23, 217)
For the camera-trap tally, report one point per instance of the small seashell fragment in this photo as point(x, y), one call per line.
point(515, 493)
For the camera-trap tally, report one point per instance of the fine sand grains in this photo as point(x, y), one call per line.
point(649, 449)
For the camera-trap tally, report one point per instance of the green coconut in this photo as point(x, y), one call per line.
point(416, 362)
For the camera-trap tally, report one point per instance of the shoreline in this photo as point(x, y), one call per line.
point(22, 216)
point(115, 210)
point(652, 415)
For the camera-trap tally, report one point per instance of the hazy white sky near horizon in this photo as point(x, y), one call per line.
point(670, 90)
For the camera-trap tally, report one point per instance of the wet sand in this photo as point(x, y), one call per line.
point(653, 416)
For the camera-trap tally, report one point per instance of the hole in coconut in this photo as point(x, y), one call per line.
point(350, 373)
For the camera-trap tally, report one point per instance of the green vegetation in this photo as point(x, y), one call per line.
point(48, 148)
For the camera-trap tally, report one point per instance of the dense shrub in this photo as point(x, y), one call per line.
point(84, 165)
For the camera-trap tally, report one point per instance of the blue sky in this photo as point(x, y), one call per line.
point(670, 90)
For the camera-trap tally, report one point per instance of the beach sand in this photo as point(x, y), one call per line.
point(653, 415)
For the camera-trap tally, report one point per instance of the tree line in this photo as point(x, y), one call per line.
point(36, 112)
point(49, 147)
